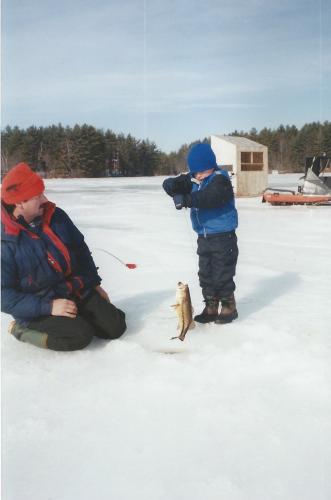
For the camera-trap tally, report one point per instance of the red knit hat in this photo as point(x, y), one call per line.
point(21, 184)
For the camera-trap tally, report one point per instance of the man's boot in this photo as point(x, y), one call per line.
point(210, 311)
point(28, 335)
point(228, 312)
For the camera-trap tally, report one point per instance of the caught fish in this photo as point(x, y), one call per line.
point(184, 310)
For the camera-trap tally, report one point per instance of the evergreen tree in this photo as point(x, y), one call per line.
point(11, 147)
point(32, 147)
point(112, 162)
point(149, 157)
point(88, 150)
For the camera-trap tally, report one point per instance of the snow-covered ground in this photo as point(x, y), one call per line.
point(236, 412)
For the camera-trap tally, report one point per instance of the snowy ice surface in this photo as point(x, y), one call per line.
point(235, 412)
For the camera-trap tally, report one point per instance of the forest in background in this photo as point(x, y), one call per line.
point(85, 151)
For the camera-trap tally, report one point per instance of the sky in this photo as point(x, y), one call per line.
point(169, 71)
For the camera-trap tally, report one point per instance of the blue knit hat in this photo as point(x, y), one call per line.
point(201, 157)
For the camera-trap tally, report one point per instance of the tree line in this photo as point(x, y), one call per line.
point(84, 151)
point(79, 151)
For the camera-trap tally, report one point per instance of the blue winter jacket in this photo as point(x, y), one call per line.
point(211, 201)
point(43, 263)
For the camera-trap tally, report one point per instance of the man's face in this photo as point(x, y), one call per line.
point(32, 208)
point(202, 175)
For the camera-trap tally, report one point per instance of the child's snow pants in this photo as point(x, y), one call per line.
point(218, 255)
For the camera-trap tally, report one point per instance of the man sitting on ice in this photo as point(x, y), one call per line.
point(50, 284)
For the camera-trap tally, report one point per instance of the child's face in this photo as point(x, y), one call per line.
point(202, 175)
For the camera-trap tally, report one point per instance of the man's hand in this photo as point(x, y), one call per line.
point(102, 292)
point(64, 307)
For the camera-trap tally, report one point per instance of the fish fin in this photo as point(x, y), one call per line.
point(192, 325)
point(175, 306)
point(179, 337)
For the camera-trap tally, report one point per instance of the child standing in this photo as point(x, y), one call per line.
point(208, 192)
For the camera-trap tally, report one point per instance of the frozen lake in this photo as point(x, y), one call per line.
point(236, 412)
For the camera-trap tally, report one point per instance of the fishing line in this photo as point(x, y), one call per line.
point(129, 266)
point(189, 229)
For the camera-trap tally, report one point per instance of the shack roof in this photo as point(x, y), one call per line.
point(243, 142)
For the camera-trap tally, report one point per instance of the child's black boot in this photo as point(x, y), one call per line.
point(210, 312)
point(228, 312)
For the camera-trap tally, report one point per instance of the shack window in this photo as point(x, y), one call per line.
point(245, 157)
point(251, 161)
point(258, 157)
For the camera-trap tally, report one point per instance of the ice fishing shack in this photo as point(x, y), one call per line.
point(246, 162)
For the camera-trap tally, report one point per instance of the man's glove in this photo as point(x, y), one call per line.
point(179, 201)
